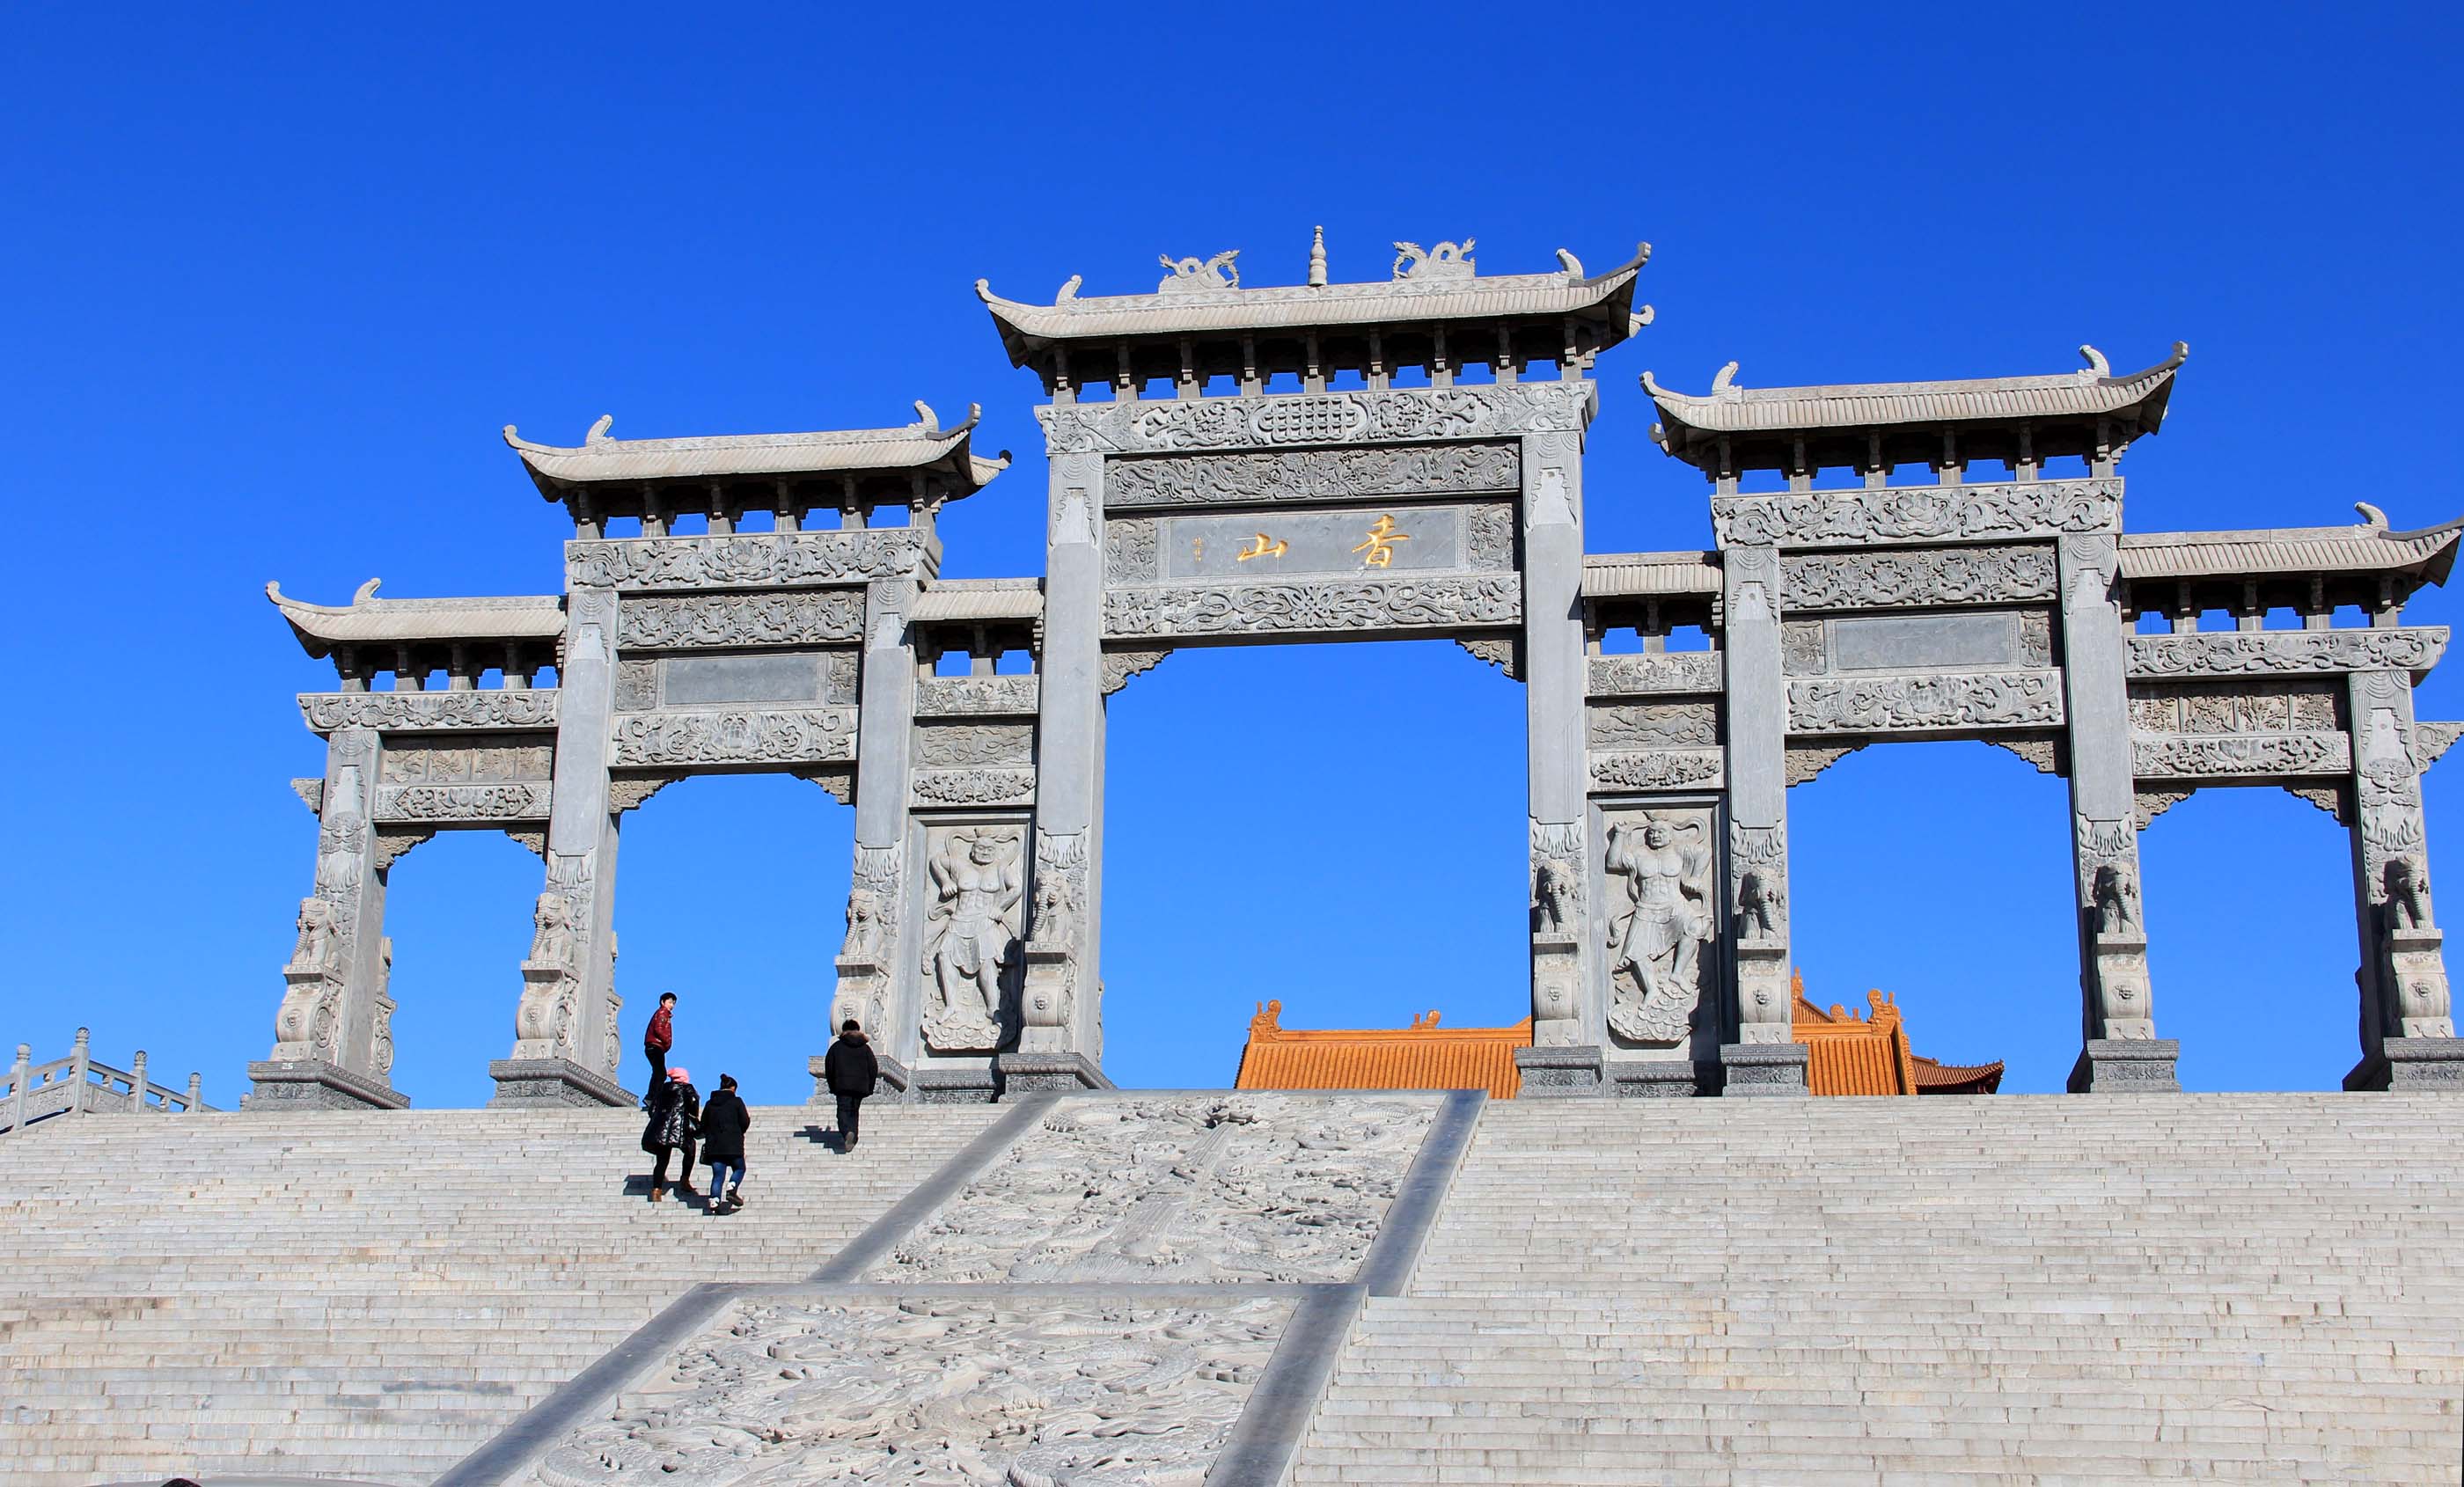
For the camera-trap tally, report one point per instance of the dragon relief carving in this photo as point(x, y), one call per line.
point(1672, 769)
point(958, 696)
point(1310, 476)
point(400, 711)
point(1967, 699)
point(1902, 578)
point(1919, 513)
point(689, 620)
point(786, 735)
point(1396, 415)
point(749, 560)
point(1333, 606)
point(2262, 652)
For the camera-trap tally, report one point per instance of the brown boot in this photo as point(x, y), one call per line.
point(658, 1194)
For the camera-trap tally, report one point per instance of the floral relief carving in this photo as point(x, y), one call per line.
point(1119, 665)
point(745, 561)
point(1130, 552)
point(2158, 755)
point(1310, 476)
point(2248, 652)
point(1488, 536)
point(1333, 606)
point(1801, 651)
point(628, 792)
point(1917, 513)
point(945, 744)
point(736, 737)
point(1671, 768)
point(791, 618)
point(1897, 579)
point(1883, 704)
point(392, 843)
point(974, 787)
point(503, 762)
point(328, 713)
point(1502, 652)
point(637, 686)
point(1400, 415)
point(977, 696)
point(1654, 671)
point(462, 803)
point(1804, 762)
point(2152, 803)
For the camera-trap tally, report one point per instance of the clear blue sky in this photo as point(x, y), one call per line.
point(279, 275)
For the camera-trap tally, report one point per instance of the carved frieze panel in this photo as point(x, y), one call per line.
point(2264, 652)
point(1124, 1390)
point(686, 622)
point(1311, 475)
point(1803, 650)
point(974, 896)
point(1995, 511)
point(1925, 704)
point(462, 803)
point(428, 712)
point(1340, 606)
point(532, 759)
point(2255, 755)
point(1653, 725)
point(1130, 552)
point(1651, 673)
point(972, 787)
point(1400, 415)
point(1658, 768)
point(1662, 875)
point(944, 745)
point(969, 696)
point(637, 686)
point(749, 560)
point(2236, 707)
point(1907, 578)
point(781, 736)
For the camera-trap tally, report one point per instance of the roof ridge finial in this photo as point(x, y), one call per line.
point(2371, 517)
point(1317, 257)
point(2097, 364)
point(1726, 379)
point(598, 431)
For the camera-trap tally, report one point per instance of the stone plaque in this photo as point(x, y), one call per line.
point(1926, 643)
point(693, 681)
point(1267, 545)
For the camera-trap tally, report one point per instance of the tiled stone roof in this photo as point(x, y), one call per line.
point(1852, 1054)
point(2427, 552)
point(1616, 574)
point(978, 598)
point(1420, 1056)
point(367, 620)
point(600, 459)
point(2091, 392)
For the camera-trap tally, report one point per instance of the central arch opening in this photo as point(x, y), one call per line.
point(1341, 827)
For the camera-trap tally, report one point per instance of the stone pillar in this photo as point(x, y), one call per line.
point(565, 1048)
point(324, 1050)
point(2407, 1028)
point(1063, 1047)
point(1569, 1020)
point(879, 926)
point(18, 1078)
point(1766, 1058)
point(2121, 1050)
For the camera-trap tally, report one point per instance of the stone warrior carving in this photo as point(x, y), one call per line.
point(1655, 942)
point(976, 895)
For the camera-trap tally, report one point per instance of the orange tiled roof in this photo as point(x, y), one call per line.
point(1420, 1056)
point(1854, 1055)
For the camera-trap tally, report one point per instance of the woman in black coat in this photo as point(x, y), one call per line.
point(724, 1122)
point(675, 1121)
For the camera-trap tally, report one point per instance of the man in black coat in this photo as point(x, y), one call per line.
point(724, 1121)
point(850, 1070)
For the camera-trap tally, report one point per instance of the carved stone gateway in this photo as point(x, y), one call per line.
point(1672, 699)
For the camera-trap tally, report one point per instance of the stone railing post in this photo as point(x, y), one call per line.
point(17, 1094)
point(81, 1064)
point(137, 1084)
point(196, 1093)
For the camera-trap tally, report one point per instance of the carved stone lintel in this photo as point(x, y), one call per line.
point(628, 792)
point(1502, 651)
point(2279, 652)
point(1119, 665)
point(327, 712)
point(1925, 703)
point(393, 841)
point(691, 621)
point(2243, 756)
point(1898, 579)
point(1336, 606)
point(1658, 768)
point(480, 802)
point(1311, 475)
point(974, 787)
point(1654, 672)
point(782, 735)
point(970, 696)
point(750, 560)
point(1400, 415)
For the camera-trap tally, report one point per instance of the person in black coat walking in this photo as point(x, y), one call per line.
point(724, 1121)
point(675, 1121)
point(850, 1070)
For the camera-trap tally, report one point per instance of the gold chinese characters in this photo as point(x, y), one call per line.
point(1380, 545)
point(1262, 546)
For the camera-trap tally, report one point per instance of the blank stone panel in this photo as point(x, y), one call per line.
point(1918, 643)
point(695, 680)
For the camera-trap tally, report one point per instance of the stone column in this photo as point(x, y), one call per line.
point(325, 1052)
point(1766, 1058)
point(1569, 1021)
point(879, 924)
point(2407, 1028)
point(565, 1048)
point(2122, 1051)
point(1064, 1050)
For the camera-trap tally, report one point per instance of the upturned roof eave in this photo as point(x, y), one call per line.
point(558, 469)
point(368, 621)
point(2427, 552)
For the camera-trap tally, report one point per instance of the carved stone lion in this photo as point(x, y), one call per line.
point(1553, 898)
point(2408, 894)
point(2116, 899)
point(1762, 909)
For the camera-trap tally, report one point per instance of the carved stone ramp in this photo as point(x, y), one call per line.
point(1169, 1277)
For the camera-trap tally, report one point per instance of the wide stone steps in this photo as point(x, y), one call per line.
point(2008, 1290)
point(371, 1296)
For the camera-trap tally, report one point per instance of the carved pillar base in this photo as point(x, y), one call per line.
point(1765, 1014)
point(1045, 1004)
point(2417, 969)
point(2120, 1066)
point(863, 991)
point(2413, 1063)
point(312, 1085)
point(1653, 1079)
point(2121, 978)
point(1018, 1074)
point(1756, 1069)
point(1560, 1072)
point(954, 1086)
point(552, 1081)
point(892, 1086)
point(1556, 978)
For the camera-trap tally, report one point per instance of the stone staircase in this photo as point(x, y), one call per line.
point(2010, 1290)
point(370, 1296)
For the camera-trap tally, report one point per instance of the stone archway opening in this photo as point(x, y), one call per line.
point(2257, 948)
point(1339, 827)
point(456, 934)
point(734, 888)
point(1938, 872)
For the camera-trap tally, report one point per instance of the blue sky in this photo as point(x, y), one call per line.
point(279, 275)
